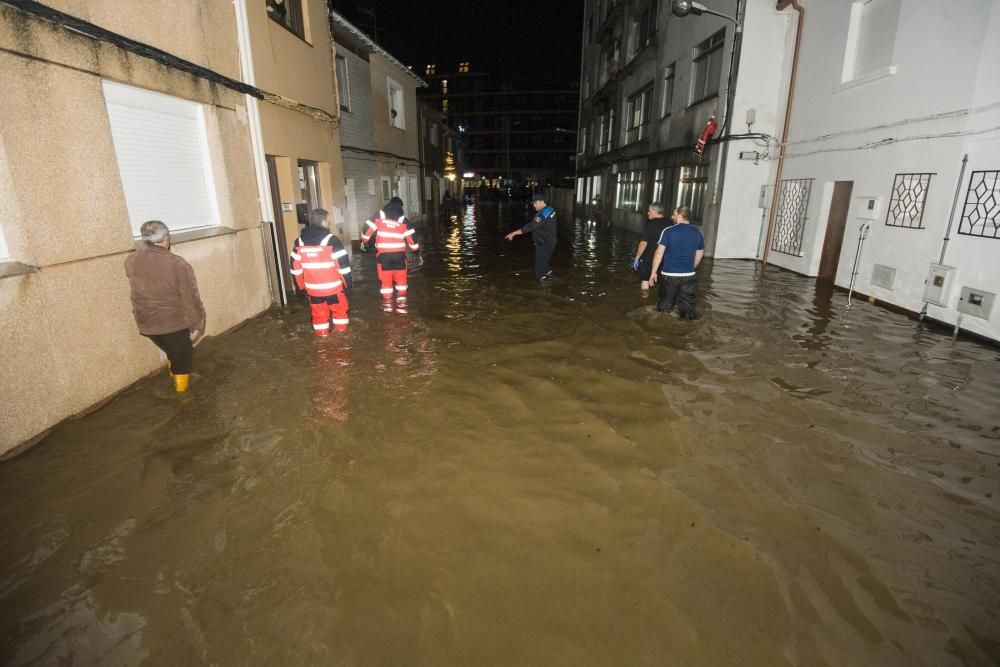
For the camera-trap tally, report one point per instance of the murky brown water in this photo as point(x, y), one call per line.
point(515, 475)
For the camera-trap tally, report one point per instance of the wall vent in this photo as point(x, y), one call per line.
point(883, 276)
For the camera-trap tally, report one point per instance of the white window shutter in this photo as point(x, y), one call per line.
point(162, 158)
point(876, 36)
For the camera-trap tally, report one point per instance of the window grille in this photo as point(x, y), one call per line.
point(981, 214)
point(691, 188)
point(791, 220)
point(707, 68)
point(906, 206)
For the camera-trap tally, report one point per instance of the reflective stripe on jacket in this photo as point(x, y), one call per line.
point(390, 235)
point(318, 268)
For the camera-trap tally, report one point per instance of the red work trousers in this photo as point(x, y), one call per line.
point(388, 277)
point(326, 308)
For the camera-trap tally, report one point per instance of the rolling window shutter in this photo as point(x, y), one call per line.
point(162, 157)
point(876, 36)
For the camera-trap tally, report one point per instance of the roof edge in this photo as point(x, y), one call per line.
point(370, 43)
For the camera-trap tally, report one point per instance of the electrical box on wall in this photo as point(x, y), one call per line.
point(868, 208)
point(937, 288)
point(976, 302)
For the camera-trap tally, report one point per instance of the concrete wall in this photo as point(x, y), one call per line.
point(946, 56)
point(301, 70)
point(67, 329)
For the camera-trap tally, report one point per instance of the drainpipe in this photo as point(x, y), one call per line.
point(862, 235)
point(257, 146)
point(783, 4)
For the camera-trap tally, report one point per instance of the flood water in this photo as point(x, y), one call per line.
point(511, 474)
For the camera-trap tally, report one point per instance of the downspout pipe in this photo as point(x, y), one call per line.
point(947, 233)
point(780, 6)
point(257, 147)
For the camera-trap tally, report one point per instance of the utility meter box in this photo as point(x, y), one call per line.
point(937, 288)
point(868, 208)
point(976, 302)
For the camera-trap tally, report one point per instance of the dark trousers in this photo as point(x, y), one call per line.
point(681, 291)
point(180, 351)
point(544, 247)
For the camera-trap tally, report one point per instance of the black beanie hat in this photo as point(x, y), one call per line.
point(393, 210)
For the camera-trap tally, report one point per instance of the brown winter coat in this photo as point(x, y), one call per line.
point(165, 295)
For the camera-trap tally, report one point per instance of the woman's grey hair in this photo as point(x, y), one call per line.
point(658, 207)
point(153, 231)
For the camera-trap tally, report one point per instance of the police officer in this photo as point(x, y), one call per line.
point(543, 229)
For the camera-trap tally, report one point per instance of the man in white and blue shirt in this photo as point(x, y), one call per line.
point(680, 250)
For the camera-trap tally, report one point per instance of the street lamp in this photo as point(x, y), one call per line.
point(685, 7)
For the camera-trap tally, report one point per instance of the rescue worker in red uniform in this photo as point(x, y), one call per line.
point(392, 236)
point(322, 268)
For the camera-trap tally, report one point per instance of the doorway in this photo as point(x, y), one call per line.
point(278, 239)
point(309, 194)
point(836, 223)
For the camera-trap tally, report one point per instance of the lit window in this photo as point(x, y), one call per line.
point(668, 90)
point(430, 69)
point(707, 68)
point(397, 107)
point(871, 38)
point(691, 188)
point(463, 67)
point(163, 159)
point(639, 107)
point(629, 194)
point(343, 87)
point(659, 180)
point(444, 105)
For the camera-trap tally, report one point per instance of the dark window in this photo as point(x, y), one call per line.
point(706, 67)
point(287, 13)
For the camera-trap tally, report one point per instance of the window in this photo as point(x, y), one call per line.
point(642, 31)
point(463, 67)
point(706, 68)
point(386, 188)
point(343, 86)
point(981, 213)
point(606, 131)
point(287, 13)
point(594, 190)
point(790, 222)
point(444, 105)
point(581, 194)
point(434, 134)
point(162, 152)
point(584, 131)
point(668, 90)
point(430, 69)
point(691, 188)
point(629, 195)
point(397, 109)
point(906, 206)
point(639, 107)
point(871, 38)
point(659, 179)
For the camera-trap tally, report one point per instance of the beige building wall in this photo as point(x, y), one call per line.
point(403, 142)
point(302, 71)
point(67, 330)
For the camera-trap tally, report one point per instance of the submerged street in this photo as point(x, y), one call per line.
point(510, 474)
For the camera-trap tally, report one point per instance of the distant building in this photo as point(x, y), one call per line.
point(520, 133)
point(890, 97)
point(442, 158)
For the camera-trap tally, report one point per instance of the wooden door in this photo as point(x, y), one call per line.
point(836, 223)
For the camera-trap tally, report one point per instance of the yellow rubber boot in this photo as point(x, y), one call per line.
point(181, 382)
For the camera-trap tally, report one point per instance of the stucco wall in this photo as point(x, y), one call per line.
point(946, 62)
point(67, 329)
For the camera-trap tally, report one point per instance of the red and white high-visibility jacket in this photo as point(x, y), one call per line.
point(390, 235)
point(320, 269)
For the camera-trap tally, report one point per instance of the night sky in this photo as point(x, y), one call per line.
point(538, 39)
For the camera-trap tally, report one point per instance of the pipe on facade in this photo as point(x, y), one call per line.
point(257, 145)
point(781, 6)
point(954, 207)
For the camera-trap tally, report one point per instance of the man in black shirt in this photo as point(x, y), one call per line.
point(650, 237)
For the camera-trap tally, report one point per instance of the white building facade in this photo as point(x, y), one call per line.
point(894, 145)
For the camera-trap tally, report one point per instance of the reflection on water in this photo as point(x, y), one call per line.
point(513, 474)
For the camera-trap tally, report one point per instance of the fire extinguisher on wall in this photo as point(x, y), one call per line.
point(706, 134)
